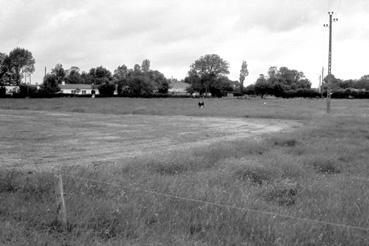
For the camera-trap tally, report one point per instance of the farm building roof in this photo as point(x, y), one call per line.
point(75, 86)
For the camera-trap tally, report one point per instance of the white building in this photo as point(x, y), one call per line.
point(11, 89)
point(77, 89)
point(178, 88)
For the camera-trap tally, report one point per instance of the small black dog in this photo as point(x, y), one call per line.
point(201, 104)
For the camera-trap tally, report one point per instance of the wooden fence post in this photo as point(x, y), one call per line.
point(61, 208)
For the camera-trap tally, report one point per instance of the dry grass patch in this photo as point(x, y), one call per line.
point(324, 165)
point(254, 173)
point(283, 192)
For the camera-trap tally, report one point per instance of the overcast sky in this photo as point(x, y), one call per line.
point(172, 34)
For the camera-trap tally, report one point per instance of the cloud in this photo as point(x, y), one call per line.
point(173, 33)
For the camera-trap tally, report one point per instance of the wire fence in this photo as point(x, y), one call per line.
point(135, 187)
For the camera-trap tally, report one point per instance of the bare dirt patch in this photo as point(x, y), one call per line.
point(42, 139)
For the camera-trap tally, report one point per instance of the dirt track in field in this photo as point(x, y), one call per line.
point(42, 139)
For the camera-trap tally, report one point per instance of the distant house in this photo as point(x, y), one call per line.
point(178, 88)
point(77, 89)
point(11, 89)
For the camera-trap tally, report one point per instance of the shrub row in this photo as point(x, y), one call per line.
point(350, 93)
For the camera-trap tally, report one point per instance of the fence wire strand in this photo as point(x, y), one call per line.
point(215, 204)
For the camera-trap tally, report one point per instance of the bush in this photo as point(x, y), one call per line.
point(27, 90)
point(106, 90)
point(350, 93)
point(2, 91)
point(305, 93)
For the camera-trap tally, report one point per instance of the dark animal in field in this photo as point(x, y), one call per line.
point(201, 104)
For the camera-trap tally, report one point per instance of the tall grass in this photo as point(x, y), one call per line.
point(310, 173)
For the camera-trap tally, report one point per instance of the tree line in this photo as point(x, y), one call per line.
point(138, 81)
point(207, 76)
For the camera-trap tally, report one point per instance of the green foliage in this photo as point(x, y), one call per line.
point(138, 85)
point(20, 61)
point(50, 85)
point(2, 91)
point(338, 85)
point(244, 72)
point(262, 87)
point(140, 81)
point(3, 68)
point(100, 75)
point(106, 90)
point(305, 93)
point(26, 90)
point(208, 74)
point(121, 73)
point(59, 72)
point(145, 66)
point(283, 82)
point(73, 76)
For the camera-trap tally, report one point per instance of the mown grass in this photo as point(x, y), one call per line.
point(227, 107)
point(309, 173)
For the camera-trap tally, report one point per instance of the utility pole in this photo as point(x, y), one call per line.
point(331, 20)
point(321, 86)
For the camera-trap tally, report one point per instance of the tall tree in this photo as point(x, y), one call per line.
point(261, 86)
point(210, 66)
point(73, 76)
point(120, 73)
point(50, 85)
point(137, 69)
point(206, 71)
point(21, 60)
point(3, 68)
point(59, 72)
point(145, 66)
point(244, 72)
point(100, 75)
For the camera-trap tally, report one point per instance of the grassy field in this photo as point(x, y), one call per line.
point(282, 157)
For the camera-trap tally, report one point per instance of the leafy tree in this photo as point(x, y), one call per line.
point(221, 86)
point(281, 81)
point(244, 72)
point(3, 68)
point(261, 86)
point(139, 85)
point(73, 76)
point(250, 89)
point(158, 81)
point(145, 66)
point(120, 73)
point(86, 78)
point(137, 69)
point(206, 71)
point(100, 75)
point(210, 66)
point(363, 83)
point(50, 85)
point(20, 61)
point(272, 72)
point(289, 79)
point(332, 82)
point(26, 90)
point(59, 72)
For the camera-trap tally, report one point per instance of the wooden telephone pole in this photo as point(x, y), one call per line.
point(331, 20)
